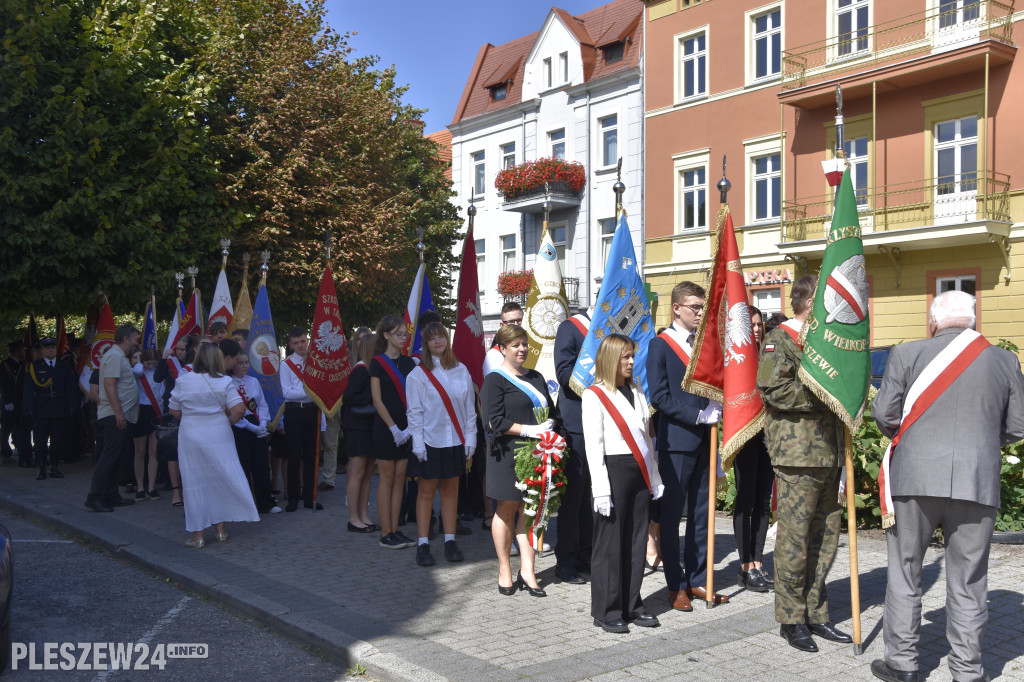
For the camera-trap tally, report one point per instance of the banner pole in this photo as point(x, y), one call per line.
point(712, 504)
point(851, 528)
point(316, 465)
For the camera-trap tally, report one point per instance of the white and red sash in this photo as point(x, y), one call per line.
point(936, 377)
point(447, 403)
point(638, 448)
point(793, 327)
point(676, 347)
point(148, 388)
point(173, 366)
point(296, 367)
point(581, 323)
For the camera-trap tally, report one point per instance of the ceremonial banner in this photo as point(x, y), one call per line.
point(104, 335)
point(190, 319)
point(172, 335)
point(836, 363)
point(221, 309)
point(468, 343)
point(723, 365)
point(62, 337)
point(326, 370)
point(420, 302)
point(621, 309)
point(149, 328)
point(264, 356)
point(243, 308)
point(546, 308)
point(31, 336)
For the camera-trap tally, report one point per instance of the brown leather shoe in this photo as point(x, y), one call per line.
point(679, 601)
point(701, 593)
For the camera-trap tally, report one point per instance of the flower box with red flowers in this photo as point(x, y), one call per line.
point(527, 179)
point(515, 283)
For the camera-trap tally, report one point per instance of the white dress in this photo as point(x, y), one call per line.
point(213, 485)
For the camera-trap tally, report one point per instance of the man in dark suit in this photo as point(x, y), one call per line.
point(575, 518)
point(684, 442)
point(50, 395)
point(944, 469)
point(11, 389)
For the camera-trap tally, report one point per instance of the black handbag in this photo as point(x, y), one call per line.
point(166, 438)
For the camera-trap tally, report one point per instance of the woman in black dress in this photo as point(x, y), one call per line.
point(509, 396)
point(388, 370)
point(357, 415)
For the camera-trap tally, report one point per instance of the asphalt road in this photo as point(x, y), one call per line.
point(68, 592)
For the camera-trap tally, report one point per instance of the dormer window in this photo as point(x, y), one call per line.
point(614, 52)
point(499, 92)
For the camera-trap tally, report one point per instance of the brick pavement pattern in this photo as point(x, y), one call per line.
point(359, 603)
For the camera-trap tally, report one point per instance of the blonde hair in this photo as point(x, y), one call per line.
point(448, 359)
point(606, 367)
point(209, 360)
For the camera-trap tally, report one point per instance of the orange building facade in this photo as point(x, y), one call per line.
point(933, 93)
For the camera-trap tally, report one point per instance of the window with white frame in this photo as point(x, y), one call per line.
point(609, 129)
point(693, 58)
point(694, 190)
point(767, 39)
point(563, 66)
point(508, 155)
point(607, 232)
point(767, 176)
point(852, 26)
point(965, 283)
point(558, 236)
point(481, 270)
point(547, 73)
point(954, 12)
point(508, 253)
point(856, 150)
point(956, 155)
point(556, 139)
point(768, 301)
point(479, 174)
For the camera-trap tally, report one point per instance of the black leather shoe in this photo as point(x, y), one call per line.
point(360, 529)
point(120, 502)
point(41, 475)
point(753, 581)
point(569, 575)
point(798, 636)
point(766, 577)
point(645, 620)
point(452, 551)
point(55, 473)
point(828, 631)
point(882, 671)
point(292, 505)
point(534, 591)
point(311, 505)
point(98, 506)
point(617, 626)
point(508, 591)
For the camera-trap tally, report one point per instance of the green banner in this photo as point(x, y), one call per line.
point(836, 363)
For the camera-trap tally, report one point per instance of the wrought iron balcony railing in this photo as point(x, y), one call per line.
point(946, 26)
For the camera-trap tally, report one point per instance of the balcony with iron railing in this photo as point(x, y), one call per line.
point(938, 30)
point(974, 198)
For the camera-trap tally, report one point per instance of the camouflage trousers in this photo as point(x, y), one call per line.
point(809, 518)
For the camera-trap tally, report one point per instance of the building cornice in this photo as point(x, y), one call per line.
point(604, 81)
point(490, 117)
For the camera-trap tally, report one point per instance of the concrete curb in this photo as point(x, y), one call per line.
point(340, 647)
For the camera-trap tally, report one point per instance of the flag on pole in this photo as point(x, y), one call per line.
point(149, 328)
point(172, 335)
point(420, 302)
point(546, 308)
point(621, 309)
point(326, 369)
point(264, 356)
point(62, 337)
point(104, 335)
point(189, 323)
point(221, 309)
point(723, 365)
point(836, 363)
point(31, 335)
point(243, 308)
point(468, 344)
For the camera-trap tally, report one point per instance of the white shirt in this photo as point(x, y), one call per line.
point(492, 360)
point(252, 390)
point(158, 387)
point(604, 437)
point(682, 336)
point(429, 422)
point(291, 383)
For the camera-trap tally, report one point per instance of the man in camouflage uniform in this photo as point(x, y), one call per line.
point(805, 441)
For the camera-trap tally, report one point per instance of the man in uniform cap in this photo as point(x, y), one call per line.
point(51, 392)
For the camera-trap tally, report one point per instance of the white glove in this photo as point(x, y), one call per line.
point(421, 455)
point(261, 431)
point(710, 414)
point(470, 450)
point(398, 435)
point(603, 505)
point(529, 431)
point(9, 407)
point(657, 492)
point(406, 435)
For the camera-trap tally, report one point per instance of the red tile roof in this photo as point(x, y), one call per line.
point(611, 23)
point(443, 139)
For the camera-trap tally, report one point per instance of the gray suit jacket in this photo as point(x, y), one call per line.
point(953, 449)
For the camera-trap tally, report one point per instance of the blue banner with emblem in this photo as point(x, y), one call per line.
point(621, 309)
point(265, 357)
point(149, 328)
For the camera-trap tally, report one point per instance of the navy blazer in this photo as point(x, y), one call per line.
point(56, 400)
point(678, 430)
point(568, 344)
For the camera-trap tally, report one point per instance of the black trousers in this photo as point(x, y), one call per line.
point(23, 440)
point(575, 543)
point(754, 479)
point(620, 544)
point(8, 428)
point(252, 455)
point(48, 437)
point(685, 476)
point(300, 427)
point(105, 475)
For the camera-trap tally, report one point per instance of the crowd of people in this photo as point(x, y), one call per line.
point(639, 466)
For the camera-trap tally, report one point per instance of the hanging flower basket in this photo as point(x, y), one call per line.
point(528, 178)
point(515, 284)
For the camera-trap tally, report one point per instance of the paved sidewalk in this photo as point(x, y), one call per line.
point(306, 576)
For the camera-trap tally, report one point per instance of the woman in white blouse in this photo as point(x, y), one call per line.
point(442, 423)
point(624, 477)
point(151, 395)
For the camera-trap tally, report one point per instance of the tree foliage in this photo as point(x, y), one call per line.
point(135, 135)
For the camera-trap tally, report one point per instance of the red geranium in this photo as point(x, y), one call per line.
point(515, 283)
point(526, 176)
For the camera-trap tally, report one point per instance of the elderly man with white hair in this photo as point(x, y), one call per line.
point(948, 402)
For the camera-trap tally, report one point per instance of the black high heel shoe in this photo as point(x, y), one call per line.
point(510, 590)
point(534, 591)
